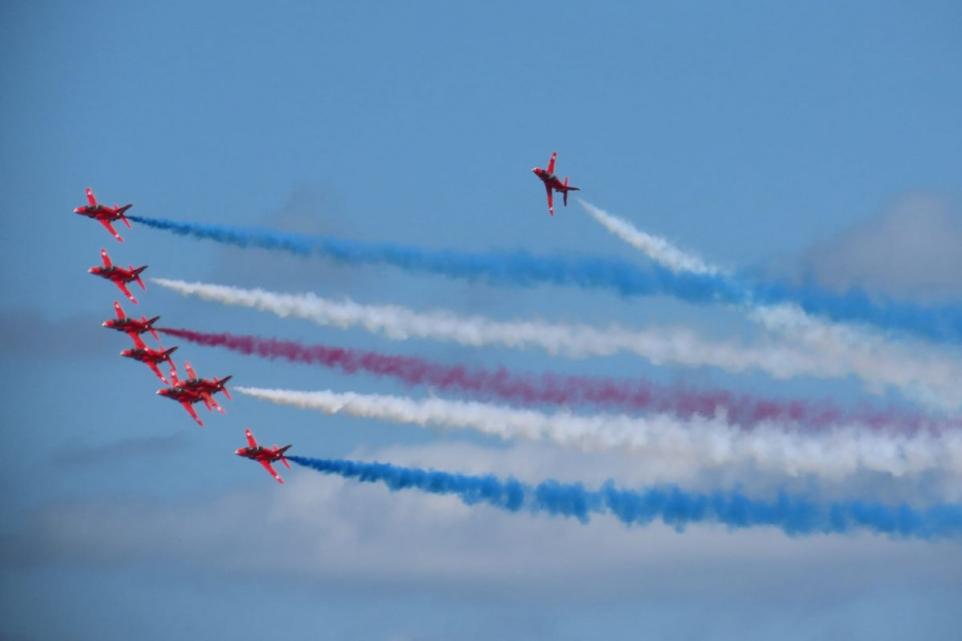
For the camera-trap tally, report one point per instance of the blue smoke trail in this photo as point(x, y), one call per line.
point(499, 267)
point(628, 279)
point(673, 506)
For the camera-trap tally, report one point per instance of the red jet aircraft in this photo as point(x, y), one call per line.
point(195, 390)
point(264, 455)
point(551, 182)
point(185, 397)
point(150, 357)
point(206, 387)
point(131, 326)
point(103, 213)
point(118, 275)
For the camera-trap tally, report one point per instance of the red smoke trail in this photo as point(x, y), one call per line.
point(552, 389)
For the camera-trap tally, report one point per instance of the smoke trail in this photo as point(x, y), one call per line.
point(523, 269)
point(655, 247)
point(498, 267)
point(699, 443)
point(846, 342)
point(553, 389)
point(924, 375)
point(794, 515)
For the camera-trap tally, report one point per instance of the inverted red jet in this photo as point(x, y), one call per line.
point(206, 387)
point(185, 397)
point(103, 214)
point(150, 357)
point(131, 326)
point(551, 182)
point(118, 275)
point(264, 455)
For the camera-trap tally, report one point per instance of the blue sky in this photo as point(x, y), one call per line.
point(765, 135)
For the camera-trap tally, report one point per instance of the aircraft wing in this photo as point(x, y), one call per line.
point(123, 288)
point(156, 370)
point(138, 341)
point(111, 229)
point(191, 374)
point(91, 199)
point(192, 412)
point(271, 471)
point(106, 259)
point(554, 157)
point(550, 199)
point(250, 438)
point(211, 402)
point(119, 311)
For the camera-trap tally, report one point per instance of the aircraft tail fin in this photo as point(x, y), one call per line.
point(150, 327)
point(568, 188)
point(284, 458)
point(137, 276)
point(223, 387)
point(123, 217)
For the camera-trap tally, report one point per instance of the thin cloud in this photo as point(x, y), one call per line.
point(911, 250)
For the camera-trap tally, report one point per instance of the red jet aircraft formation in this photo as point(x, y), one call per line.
point(187, 392)
point(194, 389)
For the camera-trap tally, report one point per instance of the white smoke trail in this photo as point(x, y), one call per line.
point(921, 372)
point(819, 352)
point(656, 248)
point(699, 443)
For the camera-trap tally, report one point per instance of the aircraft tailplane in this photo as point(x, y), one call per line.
point(124, 217)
